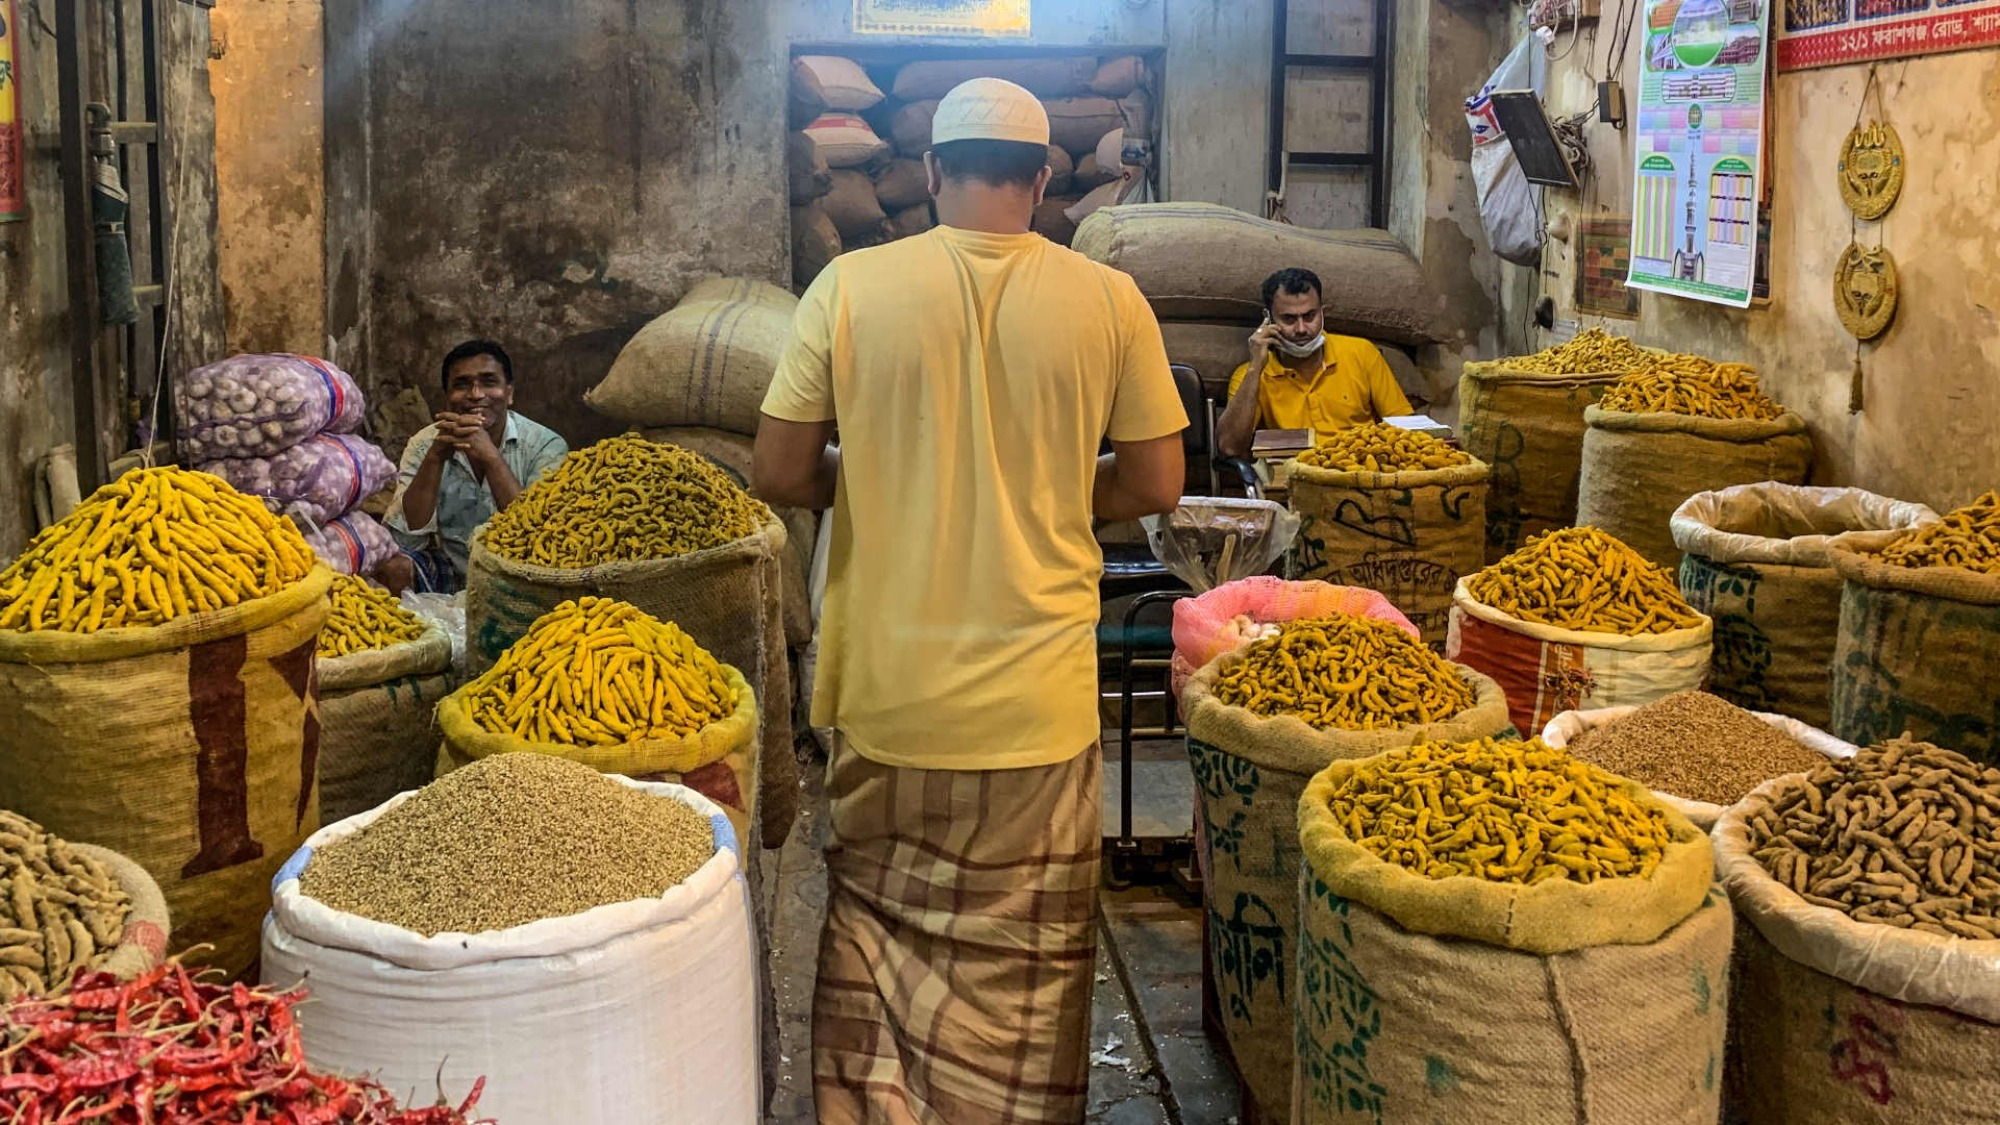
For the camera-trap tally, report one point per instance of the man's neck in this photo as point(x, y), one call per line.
point(1291, 362)
point(986, 209)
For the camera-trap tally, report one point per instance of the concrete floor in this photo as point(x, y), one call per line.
point(1151, 1062)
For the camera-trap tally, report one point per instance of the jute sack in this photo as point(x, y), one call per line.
point(1570, 725)
point(855, 211)
point(806, 174)
point(1756, 559)
point(719, 761)
point(1529, 427)
point(815, 242)
point(143, 944)
point(1638, 468)
point(901, 183)
point(1199, 261)
point(1919, 651)
point(704, 363)
point(1045, 77)
point(1410, 535)
point(911, 128)
point(1546, 670)
point(1215, 351)
point(747, 289)
point(189, 747)
point(1845, 1021)
point(727, 598)
point(732, 453)
point(1249, 772)
point(378, 724)
point(1463, 1000)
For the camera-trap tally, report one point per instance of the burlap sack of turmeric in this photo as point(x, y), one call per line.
point(1409, 536)
point(1758, 561)
point(378, 722)
point(732, 453)
point(727, 598)
point(1638, 468)
point(1529, 428)
point(1249, 771)
point(1844, 1021)
point(1464, 1000)
point(1919, 651)
point(704, 363)
point(190, 748)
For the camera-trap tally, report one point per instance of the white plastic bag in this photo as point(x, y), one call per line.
point(1507, 201)
point(1568, 726)
point(447, 611)
point(637, 1011)
point(1210, 540)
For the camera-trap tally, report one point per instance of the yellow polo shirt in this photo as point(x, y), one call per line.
point(972, 377)
point(1355, 386)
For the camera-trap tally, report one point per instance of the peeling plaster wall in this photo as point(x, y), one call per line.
point(1932, 381)
point(271, 203)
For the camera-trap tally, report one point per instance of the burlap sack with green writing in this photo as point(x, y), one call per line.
point(1409, 536)
point(727, 598)
point(191, 748)
point(1529, 428)
point(378, 722)
point(1919, 651)
point(1638, 468)
point(1457, 999)
point(1249, 772)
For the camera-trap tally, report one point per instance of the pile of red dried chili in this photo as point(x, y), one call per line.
point(171, 1049)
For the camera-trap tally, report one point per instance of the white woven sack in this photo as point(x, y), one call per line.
point(636, 1011)
point(1566, 727)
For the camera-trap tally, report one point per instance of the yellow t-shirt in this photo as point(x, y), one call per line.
point(973, 377)
point(1354, 387)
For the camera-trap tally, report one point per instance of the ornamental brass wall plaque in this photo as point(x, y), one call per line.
point(1871, 169)
point(1864, 290)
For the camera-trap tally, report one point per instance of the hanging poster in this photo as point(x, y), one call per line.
point(13, 174)
point(1830, 32)
point(1002, 18)
point(1699, 150)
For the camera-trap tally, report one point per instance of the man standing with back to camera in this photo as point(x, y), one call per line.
point(972, 372)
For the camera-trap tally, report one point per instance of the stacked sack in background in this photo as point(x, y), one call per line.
point(856, 163)
point(282, 427)
point(1202, 268)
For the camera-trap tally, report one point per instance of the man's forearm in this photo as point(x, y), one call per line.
point(1237, 428)
point(502, 483)
point(1114, 501)
point(420, 498)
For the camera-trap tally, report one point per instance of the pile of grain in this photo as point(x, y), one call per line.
point(1696, 747)
point(508, 840)
point(1903, 834)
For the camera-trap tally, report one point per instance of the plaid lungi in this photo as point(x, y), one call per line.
point(960, 945)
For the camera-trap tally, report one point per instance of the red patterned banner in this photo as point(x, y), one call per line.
point(1830, 32)
point(13, 173)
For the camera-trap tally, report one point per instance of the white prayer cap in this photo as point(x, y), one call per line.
point(990, 109)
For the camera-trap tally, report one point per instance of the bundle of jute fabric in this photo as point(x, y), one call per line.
point(378, 721)
point(1410, 535)
point(1529, 427)
point(1849, 1021)
point(1757, 559)
point(727, 598)
point(189, 747)
point(1250, 771)
point(1462, 999)
point(707, 362)
point(1546, 670)
point(1638, 468)
point(147, 928)
point(1919, 651)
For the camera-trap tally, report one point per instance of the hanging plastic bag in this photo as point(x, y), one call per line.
point(1507, 201)
point(1210, 540)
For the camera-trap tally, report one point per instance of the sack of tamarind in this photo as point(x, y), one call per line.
point(1919, 646)
point(1757, 559)
point(1574, 968)
point(1261, 720)
point(1523, 415)
point(382, 671)
point(1870, 980)
point(157, 695)
point(1682, 426)
point(1576, 620)
point(667, 531)
point(1391, 510)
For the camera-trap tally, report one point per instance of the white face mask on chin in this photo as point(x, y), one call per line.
point(1302, 351)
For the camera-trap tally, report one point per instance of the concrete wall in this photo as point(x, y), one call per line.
point(271, 201)
point(1932, 382)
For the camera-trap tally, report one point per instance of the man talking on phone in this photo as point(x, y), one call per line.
point(1300, 378)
